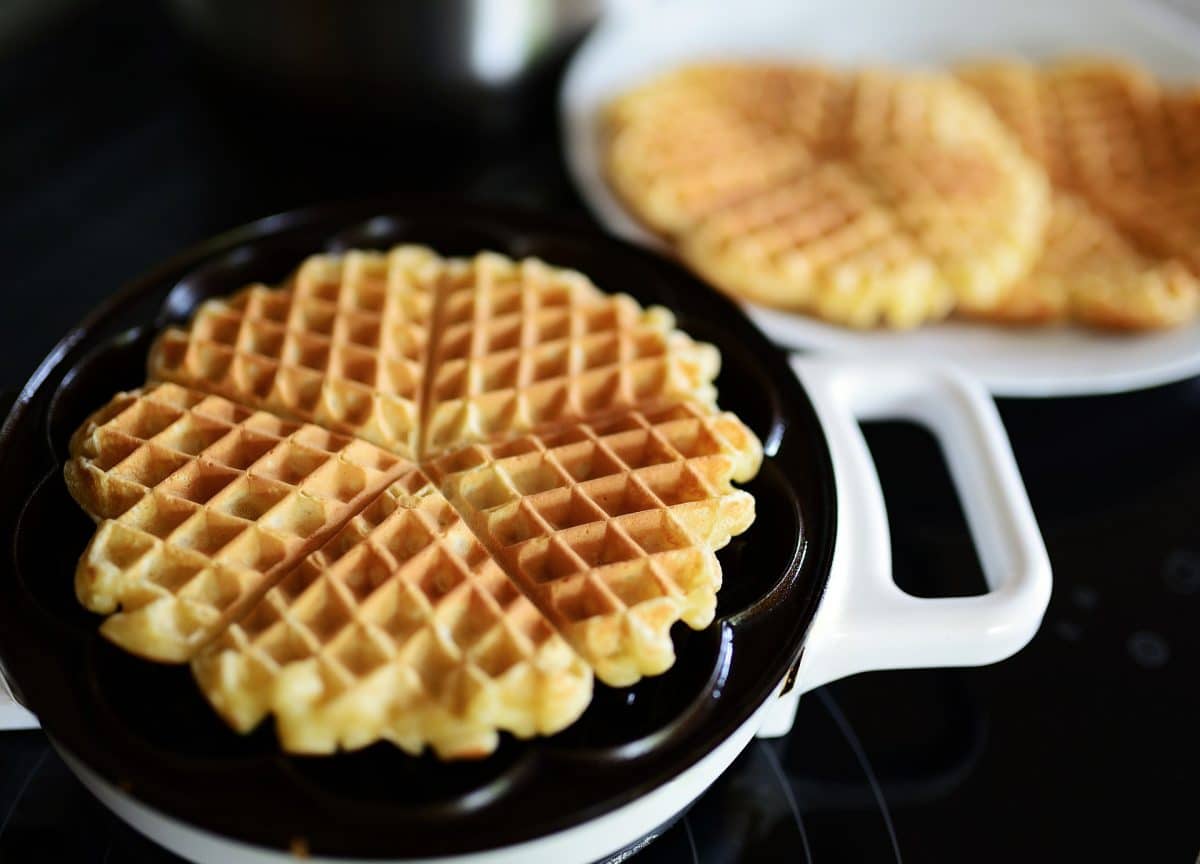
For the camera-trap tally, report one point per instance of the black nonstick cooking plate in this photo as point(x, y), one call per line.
point(146, 729)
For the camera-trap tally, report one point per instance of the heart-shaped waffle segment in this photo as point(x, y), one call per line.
point(520, 345)
point(610, 527)
point(342, 343)
point(203, 504)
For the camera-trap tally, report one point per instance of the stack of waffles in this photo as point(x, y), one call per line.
point(412, 498)
point(1003, 192)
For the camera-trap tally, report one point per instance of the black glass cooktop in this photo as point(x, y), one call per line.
point(118, 150)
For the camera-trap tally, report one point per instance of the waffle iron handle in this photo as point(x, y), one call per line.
point(865, 621)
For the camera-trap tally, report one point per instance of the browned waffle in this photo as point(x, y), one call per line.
point(1090, 272)
point(1123, 248)
point(321, 579)
point(402, 627)
point(342, 343)
point(202, 505)
point(866, 198)
point(610, 527)
point(520, 345)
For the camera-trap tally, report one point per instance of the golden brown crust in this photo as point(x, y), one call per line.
point(319, 578)
point(867, 198)
point(1123, 247)
point(202, 505)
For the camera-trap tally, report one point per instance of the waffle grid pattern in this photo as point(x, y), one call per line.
point(402, 627)
point(1122, 249)
point(521, 345)
point(866, 199)
point(342, 344)
point(203, 502)
point(335, 585)
point(610, 528)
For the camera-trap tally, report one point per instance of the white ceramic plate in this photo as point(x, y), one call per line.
point(648, 37)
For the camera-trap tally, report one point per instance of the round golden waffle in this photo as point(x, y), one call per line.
point(555, 482)
point(1123, 155)
point(866, 198)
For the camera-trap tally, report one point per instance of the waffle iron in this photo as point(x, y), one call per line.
point(142, 738)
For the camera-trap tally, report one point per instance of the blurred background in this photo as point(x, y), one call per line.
point(134, 129)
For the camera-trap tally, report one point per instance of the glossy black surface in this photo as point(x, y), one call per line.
point(1084, 747)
